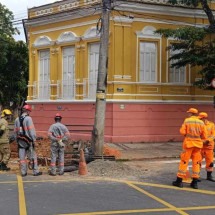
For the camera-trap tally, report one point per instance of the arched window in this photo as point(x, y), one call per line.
point(149, 46)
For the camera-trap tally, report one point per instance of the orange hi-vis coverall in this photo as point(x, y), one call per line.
point(194, 131)
point(207, 150)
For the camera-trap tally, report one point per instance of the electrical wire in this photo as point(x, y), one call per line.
point(99, 25)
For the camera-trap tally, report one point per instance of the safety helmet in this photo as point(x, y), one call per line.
point(5, 112)
point(203, 115)
point(192, 110)
point(27, 107)
point(57, 115)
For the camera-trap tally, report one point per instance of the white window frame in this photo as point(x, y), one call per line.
point(147, 34)
point(176, 75)
point(68, 73)
point(148, 62)
point(44, 74)
point(93, 61)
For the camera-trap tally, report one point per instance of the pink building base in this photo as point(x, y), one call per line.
point(124, 122)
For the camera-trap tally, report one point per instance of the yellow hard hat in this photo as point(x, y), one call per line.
point(5, 112)
point(192, 110)
point(203, 115)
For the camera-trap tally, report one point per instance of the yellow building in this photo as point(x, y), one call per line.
point(146, 99)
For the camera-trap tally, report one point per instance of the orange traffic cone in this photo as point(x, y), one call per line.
point(82, 170)
point(187, 178)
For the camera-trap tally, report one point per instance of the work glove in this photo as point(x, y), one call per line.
point(61, 144)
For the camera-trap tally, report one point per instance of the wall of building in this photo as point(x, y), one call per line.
point(136, 111)
point(124, 122)
point(123, 64)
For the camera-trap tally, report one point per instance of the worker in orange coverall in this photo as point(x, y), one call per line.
point(194, 131)
point(208, 145)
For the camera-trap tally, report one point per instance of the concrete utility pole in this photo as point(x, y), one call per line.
point(99, 123)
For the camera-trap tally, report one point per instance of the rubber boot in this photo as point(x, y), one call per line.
point(4, 167)
point(210, 177)
point(194, 183)
point(178, 182)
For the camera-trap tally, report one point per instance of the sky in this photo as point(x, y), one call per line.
point(19, 9)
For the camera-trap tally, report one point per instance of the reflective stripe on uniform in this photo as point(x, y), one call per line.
point(192, 136)
point(194, 122)
point(23, 161)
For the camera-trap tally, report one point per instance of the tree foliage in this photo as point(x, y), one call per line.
point(6, 24)
point(13, 62)
point(195, 46)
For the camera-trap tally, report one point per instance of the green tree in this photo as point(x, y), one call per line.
point(13, 63)
point(14, 74)
point(194, 45)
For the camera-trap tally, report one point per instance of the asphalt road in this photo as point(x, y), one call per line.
point(67, 195)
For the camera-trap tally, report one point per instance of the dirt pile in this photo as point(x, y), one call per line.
point(42, 148)
point(96, 168)
point(112, 169)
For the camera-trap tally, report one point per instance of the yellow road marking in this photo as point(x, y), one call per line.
point(123, 211)
point(22, 205)
point(8, 182)
point(157, 199)
point(143, 210)
point(175, 188)
point(208, 192)
point(197, 208)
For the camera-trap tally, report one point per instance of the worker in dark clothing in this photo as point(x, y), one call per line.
point(59, 135)
point(25, 137)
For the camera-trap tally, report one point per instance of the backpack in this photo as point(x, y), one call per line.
point(23, 140)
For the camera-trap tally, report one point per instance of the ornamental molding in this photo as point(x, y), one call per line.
point(148, 31)
point(66, 37)
point(68, 6)
point(91, 33)
point(43, 41)
point(44, 12)
point(122, 19)
point(160, 9)
point(63, 16)
point(91, 1)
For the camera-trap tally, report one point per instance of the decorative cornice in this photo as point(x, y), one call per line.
point(43, 41)
point(147, 32)
point(123, 19)
point(91, 33)
point(43, 12)
point(159, 9)
point(67, 37)
point(68, 6)
point(65, 27)
point(61, 17)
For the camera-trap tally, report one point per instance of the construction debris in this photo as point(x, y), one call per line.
point(72, 153)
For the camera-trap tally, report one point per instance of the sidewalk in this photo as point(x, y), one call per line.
point(147, 151)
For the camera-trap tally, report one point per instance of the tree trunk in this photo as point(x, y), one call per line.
point(208, 12)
